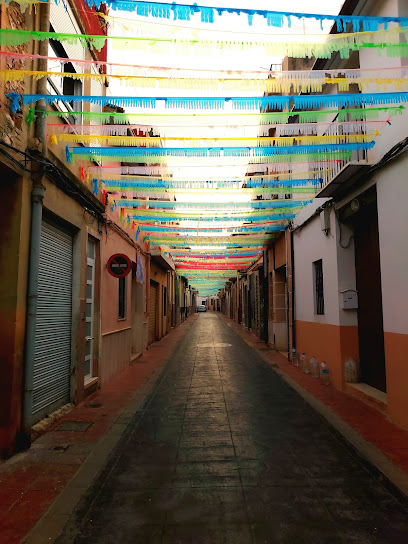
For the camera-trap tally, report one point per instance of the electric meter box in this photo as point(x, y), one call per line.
point(349, 299)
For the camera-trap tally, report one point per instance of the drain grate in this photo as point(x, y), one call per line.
point(75, 426)
point(60, 448)
point(96, 405)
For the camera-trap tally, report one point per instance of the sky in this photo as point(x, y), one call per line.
point(227, 25)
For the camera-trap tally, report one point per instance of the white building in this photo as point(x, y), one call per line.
point(351, 252)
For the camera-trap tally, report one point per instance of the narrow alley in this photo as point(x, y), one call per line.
point(224, 451)
point(203, 297)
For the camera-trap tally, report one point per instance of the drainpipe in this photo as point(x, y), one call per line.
point(292, 258)
point(37, 196)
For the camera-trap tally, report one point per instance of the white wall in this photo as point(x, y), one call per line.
point(392, 193)
point(310, 244)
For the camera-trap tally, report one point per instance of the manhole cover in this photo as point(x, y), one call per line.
point(75, 426)
point(96, 405)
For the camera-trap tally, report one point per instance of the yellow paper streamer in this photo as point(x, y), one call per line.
point(270, 85)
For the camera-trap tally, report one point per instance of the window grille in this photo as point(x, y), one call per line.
point(122, 298)
point(318, 285)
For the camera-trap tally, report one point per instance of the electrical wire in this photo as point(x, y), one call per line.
point(57, 176)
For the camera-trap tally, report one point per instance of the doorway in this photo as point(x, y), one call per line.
point(152, 332)
point(137, 317)
point(368, 283)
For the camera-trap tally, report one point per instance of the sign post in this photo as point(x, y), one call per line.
point(119, 265)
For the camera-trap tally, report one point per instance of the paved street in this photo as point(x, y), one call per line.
point(225, 452)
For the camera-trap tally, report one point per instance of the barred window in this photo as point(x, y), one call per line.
point(318, 286)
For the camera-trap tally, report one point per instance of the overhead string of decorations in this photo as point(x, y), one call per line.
point(209, 171)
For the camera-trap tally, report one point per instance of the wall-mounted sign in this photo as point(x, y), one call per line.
point(119, 265)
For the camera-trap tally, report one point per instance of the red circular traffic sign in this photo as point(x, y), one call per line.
point(119, 265)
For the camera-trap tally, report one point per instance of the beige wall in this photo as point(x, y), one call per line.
point(159, 275)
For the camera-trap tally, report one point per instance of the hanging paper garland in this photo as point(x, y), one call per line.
point(155, 192)
point(165, 216)
point(297, 49)
point(314, 159)
point(220, 120)
point(241, 103)
point(205, 206)
point(142, 154)
point(183, 12)
point(300, 79)
point(170, 132)
point(208, 231)
point(270, 85)
point(266, 141)
point(127, 182)
point(146, 173)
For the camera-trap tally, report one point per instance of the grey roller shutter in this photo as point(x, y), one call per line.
point(52, 360)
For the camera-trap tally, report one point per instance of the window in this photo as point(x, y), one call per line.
point(318, 286)
point(57, 85)
point(122, 298)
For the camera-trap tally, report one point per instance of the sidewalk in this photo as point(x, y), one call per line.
point(371, 425)
point(30, 481)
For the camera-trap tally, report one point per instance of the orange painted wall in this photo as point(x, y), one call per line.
point(396, 349)
point(331, 343)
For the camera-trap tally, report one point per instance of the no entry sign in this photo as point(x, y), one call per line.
point(119, 265)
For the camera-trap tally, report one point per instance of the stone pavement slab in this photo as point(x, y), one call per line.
point(248, 461)
point(31, 481)
point(366, 429)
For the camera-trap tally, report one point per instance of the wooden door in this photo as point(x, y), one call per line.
point(152, 313)
point(370, 316)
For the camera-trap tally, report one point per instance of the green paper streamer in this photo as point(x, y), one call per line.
point(342, 45)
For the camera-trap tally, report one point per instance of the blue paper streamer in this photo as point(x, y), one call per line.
point(227, 184)
point(171, 205)
point(15, 101)
point(93, 152)
point(210, 219)
point(249, 228)
point(211, 103)
point(95, 186)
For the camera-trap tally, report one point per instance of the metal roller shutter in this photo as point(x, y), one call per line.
point(52, 361)
point(152, 313)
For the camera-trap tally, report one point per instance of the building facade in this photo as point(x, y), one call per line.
point(336, 278)
point(67, 325)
